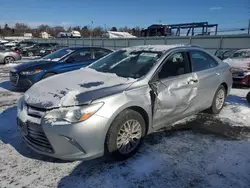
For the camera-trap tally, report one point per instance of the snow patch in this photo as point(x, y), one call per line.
point(61, 90)
point(70, 98)
point(156, 48)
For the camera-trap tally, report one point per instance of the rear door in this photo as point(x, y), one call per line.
point(174, 90)
point(77, 60)
point(208, 74)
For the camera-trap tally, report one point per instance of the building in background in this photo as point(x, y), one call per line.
point(45, 35)
point(28, 35)
point(116, 34)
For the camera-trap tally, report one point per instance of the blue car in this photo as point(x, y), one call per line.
point(68, 59)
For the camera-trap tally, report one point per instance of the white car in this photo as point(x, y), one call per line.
point(11, 44)
point(240, 66)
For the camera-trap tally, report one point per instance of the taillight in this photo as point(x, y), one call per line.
point(17, 51)
point(231, 70)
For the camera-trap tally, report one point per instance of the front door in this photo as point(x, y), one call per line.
point(175, 90)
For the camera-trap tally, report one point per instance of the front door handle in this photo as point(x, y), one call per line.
point(192, 81)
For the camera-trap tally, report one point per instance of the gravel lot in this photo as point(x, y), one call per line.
point(202, 151)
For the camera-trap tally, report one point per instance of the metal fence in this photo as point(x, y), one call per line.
point(210, 43)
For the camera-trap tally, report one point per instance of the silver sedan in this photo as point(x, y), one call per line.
point(8, 55)
point(110, 106)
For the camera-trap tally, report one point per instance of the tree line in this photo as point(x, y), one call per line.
point(20, 28)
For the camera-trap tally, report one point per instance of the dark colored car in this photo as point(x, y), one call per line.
point(64, 60)
point(40, 49)
point(25, 44)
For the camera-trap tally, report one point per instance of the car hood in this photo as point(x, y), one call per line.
point(75, 88)
point(28, 65)
point(239, 64)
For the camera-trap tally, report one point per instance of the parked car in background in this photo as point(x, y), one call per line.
point(40, 49)
point(11, 44)
point(2, 42)
point(25, 44)
point(8, 55)
point(240, 63)
point(64, 60)
point(223, 54)
point(110, 106)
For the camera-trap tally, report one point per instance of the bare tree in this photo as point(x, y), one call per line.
point(98, 31)
point(21, 28)
point(85, 32)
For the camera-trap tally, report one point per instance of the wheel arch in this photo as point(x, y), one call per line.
point(224, 84)
point(143, 113)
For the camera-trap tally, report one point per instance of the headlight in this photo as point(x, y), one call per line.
point(31, 72)
point(20, 104)
point(73, 114)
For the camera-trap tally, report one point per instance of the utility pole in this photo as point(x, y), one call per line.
point(91, 29)
point(248, 26)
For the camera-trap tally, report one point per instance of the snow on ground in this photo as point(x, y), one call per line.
point(237, 109)
point(182, 158)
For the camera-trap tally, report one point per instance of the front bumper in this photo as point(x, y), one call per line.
point(79, 141)
point(241, 79)
point(24, 82)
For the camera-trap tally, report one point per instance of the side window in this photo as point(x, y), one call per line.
point(202, 61)
point(177, 64)
point(81, 56)
point(99, 53)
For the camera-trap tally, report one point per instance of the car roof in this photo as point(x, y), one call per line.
point(85, 47)
point(159, 48)
point(244, 50)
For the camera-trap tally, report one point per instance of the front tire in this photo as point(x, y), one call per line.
point(125, 135)
point(218, 101)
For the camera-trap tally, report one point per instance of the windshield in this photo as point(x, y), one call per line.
point(240, 54)
point(134, 64)
point(57, 55)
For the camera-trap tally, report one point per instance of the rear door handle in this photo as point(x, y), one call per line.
point(217, 73)
point(192, 81)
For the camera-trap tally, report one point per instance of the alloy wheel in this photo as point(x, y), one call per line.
point(220, 98)
point(129, 136)
point(9, 60)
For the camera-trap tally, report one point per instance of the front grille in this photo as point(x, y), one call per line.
point(14, 78)
point(36, 137)
point(35, 112)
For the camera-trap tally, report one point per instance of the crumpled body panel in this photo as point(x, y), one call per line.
point(174, 97)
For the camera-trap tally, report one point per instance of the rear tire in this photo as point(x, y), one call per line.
point(125, 135)
point(248, 81)
point(218, 101)
point(248, 97)
point(9, 59)
point(48, 75)
point(30, 54)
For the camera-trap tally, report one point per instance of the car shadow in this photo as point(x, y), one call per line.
point(9, 134)
point(237, 100)
point(8, 86)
